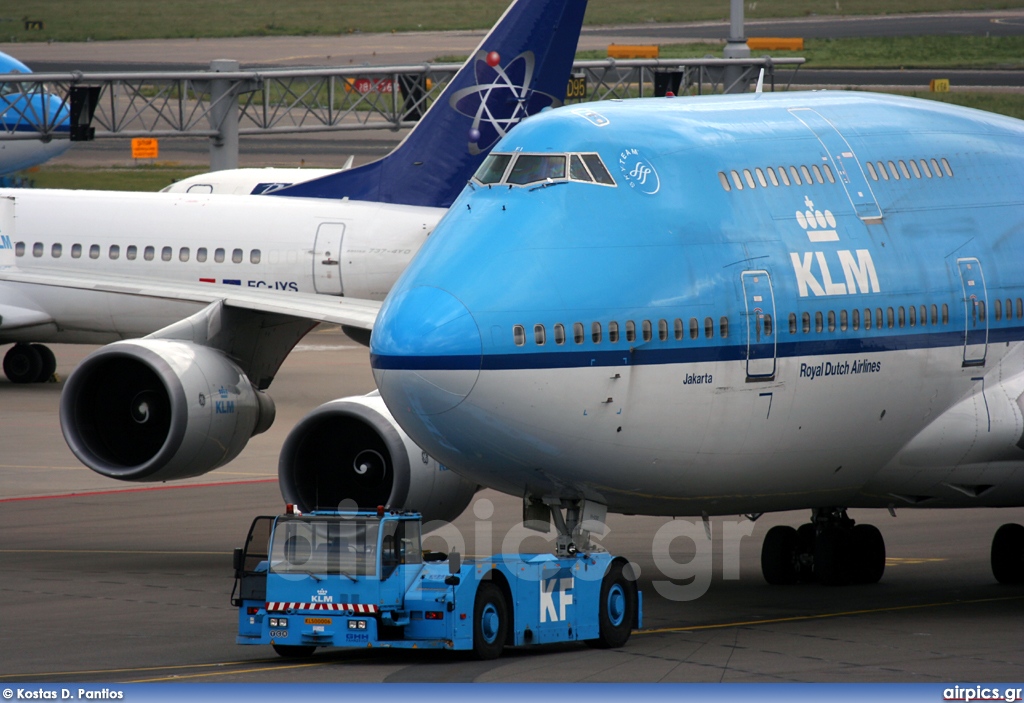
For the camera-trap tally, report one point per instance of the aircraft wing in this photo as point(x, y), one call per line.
point(349, 312)
point(13, 316)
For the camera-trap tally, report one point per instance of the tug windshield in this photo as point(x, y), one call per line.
point(345, 546)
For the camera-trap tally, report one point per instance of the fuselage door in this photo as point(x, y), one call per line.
point(327, 258)
point(972, 281)
point(848, 169)
point(760, 316)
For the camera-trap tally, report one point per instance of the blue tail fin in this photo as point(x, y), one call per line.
point(522, 66)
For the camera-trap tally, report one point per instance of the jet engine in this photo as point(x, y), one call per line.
point(160, 410)
point(351, 453)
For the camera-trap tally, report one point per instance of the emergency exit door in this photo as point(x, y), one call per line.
point(760, 317)
point(975, 295)
point(327, 258)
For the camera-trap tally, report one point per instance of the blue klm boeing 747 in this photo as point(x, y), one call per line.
point(724, 305)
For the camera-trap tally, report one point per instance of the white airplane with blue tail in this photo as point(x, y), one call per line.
point(202, 296)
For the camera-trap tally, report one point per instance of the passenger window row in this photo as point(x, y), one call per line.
point(998, 305)
point(781, 176)
point(909, 169)
point(628, 331)
point(888, 318)
point(819, 321)
point(149, 253)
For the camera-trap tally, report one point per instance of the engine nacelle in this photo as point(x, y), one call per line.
point(159, 410)
point(351, 453)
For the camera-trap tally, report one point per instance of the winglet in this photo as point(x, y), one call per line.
point(520, 67)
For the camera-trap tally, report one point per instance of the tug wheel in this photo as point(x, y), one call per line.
point(617, 608)
point(293, 651)
point(490, 622)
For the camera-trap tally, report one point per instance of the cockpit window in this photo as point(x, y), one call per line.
point(493, 168)
point(524, 169)
point(597, 168)
point(577, 171)
point(531, 168)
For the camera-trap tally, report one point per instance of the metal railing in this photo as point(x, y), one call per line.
point(202, 103)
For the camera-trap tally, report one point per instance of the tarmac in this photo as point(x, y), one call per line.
point(110, 582)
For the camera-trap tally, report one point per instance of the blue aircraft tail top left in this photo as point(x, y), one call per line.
point(521, 67)
point(26, 111)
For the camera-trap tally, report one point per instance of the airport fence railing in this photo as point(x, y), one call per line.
point(225, 102)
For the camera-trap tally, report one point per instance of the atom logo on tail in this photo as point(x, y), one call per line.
point(501, 98)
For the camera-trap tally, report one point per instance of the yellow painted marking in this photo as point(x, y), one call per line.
point(897, 561)
point(140, 669)
point(822, 616)
point(230, 673)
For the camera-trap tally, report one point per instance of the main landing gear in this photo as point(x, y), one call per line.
point(1008, 554)
point(831, 549)
point(29, 363)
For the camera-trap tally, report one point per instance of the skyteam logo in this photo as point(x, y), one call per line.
point(501, 98)
point(638, 172)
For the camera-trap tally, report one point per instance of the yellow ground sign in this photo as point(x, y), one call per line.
point(143, 148)
point(775, 43)
point(632, 51)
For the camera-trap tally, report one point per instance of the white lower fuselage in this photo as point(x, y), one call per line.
point(682, 439)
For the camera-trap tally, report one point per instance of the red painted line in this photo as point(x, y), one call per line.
point(207, 280)
point(140, 490)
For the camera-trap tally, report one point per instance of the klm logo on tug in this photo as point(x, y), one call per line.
point(858, 269)
point(322, 597)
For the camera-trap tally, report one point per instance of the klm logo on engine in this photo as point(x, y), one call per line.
point(841, 272)
point(223, 406)
point(549, 588)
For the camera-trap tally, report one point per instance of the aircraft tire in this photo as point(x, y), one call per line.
point(869, 554)
point(805, 536)
point(49, 366)
point(778, 556)
point(293, 651)
point(617, 609)
point(1008, 554)
point(832, 556)
point(23, 364)
point(490, 622)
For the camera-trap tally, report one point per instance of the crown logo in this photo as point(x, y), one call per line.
point(322, 592)
point(819, 226)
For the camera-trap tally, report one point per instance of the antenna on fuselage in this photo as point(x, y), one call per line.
point(760, 82)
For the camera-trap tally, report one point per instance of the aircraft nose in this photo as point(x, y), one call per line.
point(425, 351)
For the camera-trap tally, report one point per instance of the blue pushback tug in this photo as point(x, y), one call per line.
point(361, 579)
